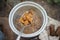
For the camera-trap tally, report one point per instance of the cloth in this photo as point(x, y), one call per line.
point(45, 34)
point(1, 36)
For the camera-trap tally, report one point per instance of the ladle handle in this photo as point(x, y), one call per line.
point(18, 38)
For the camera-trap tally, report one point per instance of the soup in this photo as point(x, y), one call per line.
point(31, 19)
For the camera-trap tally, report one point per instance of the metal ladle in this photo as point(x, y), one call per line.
point(19, 36)
point(23, 27)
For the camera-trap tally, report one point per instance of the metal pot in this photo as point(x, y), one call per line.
point(13, 13)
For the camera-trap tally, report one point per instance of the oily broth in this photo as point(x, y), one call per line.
point(36, 24)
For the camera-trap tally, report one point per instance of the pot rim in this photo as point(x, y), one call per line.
point(15, 8)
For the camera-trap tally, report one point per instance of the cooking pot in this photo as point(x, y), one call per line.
point(27, 5)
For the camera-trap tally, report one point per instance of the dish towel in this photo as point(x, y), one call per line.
point(45, 34)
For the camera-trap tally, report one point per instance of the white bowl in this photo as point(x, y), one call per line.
point(28, 3)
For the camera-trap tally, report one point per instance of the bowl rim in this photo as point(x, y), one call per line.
point(29, 3)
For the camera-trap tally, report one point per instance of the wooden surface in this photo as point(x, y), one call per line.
point(52, 10)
